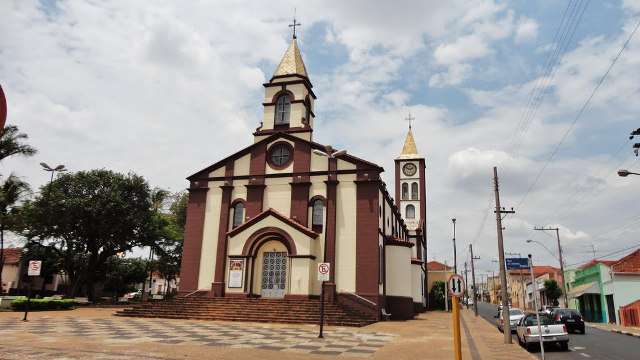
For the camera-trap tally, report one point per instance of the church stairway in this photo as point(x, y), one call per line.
point(301, 311)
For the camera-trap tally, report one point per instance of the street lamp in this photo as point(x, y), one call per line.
point(625, 173)
point(59, 168)
point(544, 246)
point(455, 259)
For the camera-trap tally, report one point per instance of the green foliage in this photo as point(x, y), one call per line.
point(437, 295)
point(122, 274)
point(90, 216)
point(553, 291)
point(11, 143)
point(48, 254)
point(12, 192)
point(19, 304)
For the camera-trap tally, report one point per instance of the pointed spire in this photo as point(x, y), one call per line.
point(409, 147)
point(291, 63)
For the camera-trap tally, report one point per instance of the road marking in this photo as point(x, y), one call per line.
point(585, 355)
point(579, 348)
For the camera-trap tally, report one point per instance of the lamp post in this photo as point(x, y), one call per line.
point(625, 173)
point(59, 168)
point(332, 180)
point(455, 259)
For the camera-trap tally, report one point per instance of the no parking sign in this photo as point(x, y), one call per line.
point(324, 269)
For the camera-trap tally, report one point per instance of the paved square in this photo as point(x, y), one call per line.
point(337, 342)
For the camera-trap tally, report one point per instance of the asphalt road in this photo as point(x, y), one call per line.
point(595, 344)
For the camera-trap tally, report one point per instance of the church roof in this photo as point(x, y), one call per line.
point(409, 150)
point(291, 63)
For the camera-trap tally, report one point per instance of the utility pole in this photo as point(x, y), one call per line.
point(455, 259)
point(503, 274)
point(466, 285)
point(473, 280)
point(564, 283)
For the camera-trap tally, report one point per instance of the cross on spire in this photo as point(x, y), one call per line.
point(294, 24)
point(410, 119)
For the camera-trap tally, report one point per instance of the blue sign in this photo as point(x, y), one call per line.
point(517, 263)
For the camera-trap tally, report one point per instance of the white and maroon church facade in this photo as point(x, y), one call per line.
point(260, 220)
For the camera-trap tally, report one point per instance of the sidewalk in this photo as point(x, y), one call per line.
point(626, 330)
point(97, 334)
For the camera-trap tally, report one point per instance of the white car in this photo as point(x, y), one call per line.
point(527, 332)
point(514, 318)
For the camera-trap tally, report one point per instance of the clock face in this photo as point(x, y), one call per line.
point(409, 169)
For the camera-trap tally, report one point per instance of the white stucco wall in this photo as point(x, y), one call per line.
point(210, 236)
point(399, 274)
point(277, 195)
point(346, 234)
point(416, 283)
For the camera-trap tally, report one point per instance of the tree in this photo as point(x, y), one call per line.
point(122, 274)
point(437, 295)
point(169, 248)
point(92, 216)
point(12, 190)
point(11, 143)
point(552, 291)
point(50, 257)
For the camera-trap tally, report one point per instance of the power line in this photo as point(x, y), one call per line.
point(578, 116)
point(616, 252)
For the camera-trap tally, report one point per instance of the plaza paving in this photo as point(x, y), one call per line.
point(97, 334)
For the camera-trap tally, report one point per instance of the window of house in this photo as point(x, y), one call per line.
point(317, 210)
point(405, 191)
point(238, 214)
point(410, 212)
point(283, 109)
point(414, 191)
point(280, 155)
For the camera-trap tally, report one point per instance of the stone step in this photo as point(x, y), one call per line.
point(298, 320)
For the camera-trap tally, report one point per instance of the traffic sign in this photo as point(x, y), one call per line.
point(517, 263)
point(34, 267)
point(456, 285)
point(324, 270)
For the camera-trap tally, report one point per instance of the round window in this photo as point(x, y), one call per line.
point(280, 155)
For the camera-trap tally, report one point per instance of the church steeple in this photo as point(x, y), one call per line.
point(288, 101)
point(409, 149)
point(291, 63)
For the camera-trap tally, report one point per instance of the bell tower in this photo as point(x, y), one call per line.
point(289, 98)
point(411, 183)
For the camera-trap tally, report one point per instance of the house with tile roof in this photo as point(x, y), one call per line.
point(10, 269)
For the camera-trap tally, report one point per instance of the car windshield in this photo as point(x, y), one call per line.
point(567, 312)
point(544, 320)
point(515, 312)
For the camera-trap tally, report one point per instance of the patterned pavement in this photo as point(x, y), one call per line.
point(337, 341)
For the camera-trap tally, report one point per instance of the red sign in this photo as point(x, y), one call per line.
point(3, 109)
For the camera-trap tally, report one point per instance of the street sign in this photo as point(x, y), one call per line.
point(456, 285)
point(324, 269)
point(517, 263)
point(34, 268)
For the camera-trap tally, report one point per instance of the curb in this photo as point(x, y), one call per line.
point(494, 325)
point(623, 332)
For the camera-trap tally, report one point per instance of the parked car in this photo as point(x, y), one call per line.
point(527, 331)
point(548, 309)
point(514, 317)
point(571, 318)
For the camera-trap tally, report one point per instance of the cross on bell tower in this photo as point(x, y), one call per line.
point(294, 24)
point(410, 119)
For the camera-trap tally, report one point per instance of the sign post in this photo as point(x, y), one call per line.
point(456, 286)
point(324, 272)
point(535, 306)
point(33, 270)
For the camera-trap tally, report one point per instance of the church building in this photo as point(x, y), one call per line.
point(261, 220)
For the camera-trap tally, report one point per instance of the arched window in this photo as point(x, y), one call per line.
point(238, 214)
point(317, 209)
point(405, 191)
point(410, 212)
point(414, 191)
point(283, 109)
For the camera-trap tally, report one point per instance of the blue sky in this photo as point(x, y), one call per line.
point(166, 90)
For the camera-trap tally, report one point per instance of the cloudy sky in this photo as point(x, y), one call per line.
point(165, 88)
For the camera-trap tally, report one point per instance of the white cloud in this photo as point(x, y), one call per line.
point(527, 29)
point(463, 49)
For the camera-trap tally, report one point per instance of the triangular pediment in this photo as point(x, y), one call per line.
point(268, 216)
point(363, 164)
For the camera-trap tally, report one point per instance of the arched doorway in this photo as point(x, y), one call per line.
point(269, 249)
point(271, 266)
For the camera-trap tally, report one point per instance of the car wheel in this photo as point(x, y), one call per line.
point(564, 346)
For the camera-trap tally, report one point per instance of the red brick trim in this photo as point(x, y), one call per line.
point(221, 249)
point(193, 232)
point(423, 191)
point(237, 295)
point(416, 262)
point(297, 297)
point(400, 307)
point(391, 241)
point(312, 257)
point(277, 215)
point(368, 259)
point(263, 235)
point(330, 231)
point(397, 184)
